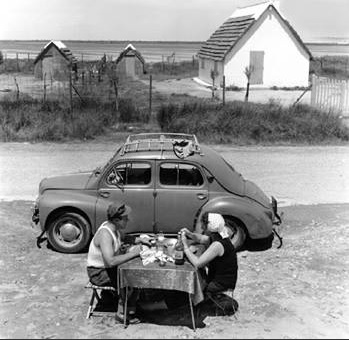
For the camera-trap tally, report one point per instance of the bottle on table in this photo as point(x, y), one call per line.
point(160, 241)
point(179, 250)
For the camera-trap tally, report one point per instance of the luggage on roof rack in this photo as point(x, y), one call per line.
point(182, 144)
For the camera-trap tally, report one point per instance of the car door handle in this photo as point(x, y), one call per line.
point(104, 194)
point(201, 196)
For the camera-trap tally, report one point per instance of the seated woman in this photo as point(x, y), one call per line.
point(220, 255)
point(105, 255)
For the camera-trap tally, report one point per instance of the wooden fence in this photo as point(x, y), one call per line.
point(330, 94)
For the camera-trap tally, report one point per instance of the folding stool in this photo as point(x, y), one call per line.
point(97, 296)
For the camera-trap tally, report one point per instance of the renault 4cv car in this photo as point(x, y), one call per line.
point(169, 180)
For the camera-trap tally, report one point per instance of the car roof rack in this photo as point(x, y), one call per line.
point(161, 142)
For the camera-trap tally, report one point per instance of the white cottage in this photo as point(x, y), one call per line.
point(259, 37)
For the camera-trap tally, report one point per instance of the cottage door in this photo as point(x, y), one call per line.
point(130, 66)
point(257, 64)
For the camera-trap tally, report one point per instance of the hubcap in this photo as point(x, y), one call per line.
point(69, 232)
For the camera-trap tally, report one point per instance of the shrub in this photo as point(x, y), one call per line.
point(252, 123)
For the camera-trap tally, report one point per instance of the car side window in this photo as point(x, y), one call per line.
point(130, 173)
point(180, 174)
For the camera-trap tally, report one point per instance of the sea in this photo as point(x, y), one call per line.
point(152, 51)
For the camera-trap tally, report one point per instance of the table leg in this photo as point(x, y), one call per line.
point(192, 312)
point(125, 308)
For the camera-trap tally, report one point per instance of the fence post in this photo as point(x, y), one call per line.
point(70, 89)
point(44, 87)
point(116, 95)
point(341, 97)
point(313, 90)
point(17, 62)
point(17, 93)
point(223, 93)
point(150, 93)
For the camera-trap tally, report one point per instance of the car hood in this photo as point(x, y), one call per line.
point(73, 181)
point(253, 191)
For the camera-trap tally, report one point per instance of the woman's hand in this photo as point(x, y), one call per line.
point(184, 239)
point(187, 232)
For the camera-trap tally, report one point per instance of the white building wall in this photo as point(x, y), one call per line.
point(285, 62)
point(204, 69)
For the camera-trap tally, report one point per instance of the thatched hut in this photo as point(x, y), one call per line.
point(130, 62)
point(54, 62)
point(259, 38)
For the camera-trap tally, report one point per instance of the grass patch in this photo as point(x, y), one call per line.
point(98, 109)
point(250, 123)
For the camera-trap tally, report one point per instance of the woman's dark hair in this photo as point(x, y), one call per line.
point(204, 218)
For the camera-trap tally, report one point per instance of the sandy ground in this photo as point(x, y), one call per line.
point(193, 88)
point(34, 86)
point(298, 291)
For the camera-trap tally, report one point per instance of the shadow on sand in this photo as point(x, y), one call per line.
point(173, 309)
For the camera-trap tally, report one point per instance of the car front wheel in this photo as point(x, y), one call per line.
point(69, 232)
point(236, 233)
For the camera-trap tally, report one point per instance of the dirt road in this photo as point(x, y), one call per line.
point(294, 175)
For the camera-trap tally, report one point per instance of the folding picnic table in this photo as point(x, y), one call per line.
point(171, 276)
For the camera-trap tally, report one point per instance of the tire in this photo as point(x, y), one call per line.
point(69, 232)
point(238, 236)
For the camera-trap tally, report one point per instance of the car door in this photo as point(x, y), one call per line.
point(129, 182)
point(180, 191)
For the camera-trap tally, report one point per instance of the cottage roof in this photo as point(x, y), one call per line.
point(130, 50)
point(236, 26)
point(61, 47)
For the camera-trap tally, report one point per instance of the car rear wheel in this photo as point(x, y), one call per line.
point(69, 232)
point(237, 233)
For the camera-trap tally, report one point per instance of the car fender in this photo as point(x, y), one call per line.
point(256, 219)
point(53, 201)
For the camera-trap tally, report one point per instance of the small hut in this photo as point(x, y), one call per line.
point(54, 62)
point(259, 38)
point(130, 62)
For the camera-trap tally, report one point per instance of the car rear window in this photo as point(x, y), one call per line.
point(180, 174)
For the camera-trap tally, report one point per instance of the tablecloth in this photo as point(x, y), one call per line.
point(173, 277)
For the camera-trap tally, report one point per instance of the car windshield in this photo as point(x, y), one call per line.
point(100, 169)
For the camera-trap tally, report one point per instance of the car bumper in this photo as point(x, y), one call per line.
point(35, 213)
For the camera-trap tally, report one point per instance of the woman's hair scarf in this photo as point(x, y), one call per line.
point(216, 224)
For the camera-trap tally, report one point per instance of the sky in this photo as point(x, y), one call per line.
point(157, 20)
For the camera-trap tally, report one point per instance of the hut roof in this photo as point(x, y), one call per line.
point(236, 26)
point(130, 50)
point(61, 47)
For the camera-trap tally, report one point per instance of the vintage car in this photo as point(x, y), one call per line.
point(169, 180)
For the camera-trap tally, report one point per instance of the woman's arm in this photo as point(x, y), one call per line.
point(214, 250)
point(196, 237)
